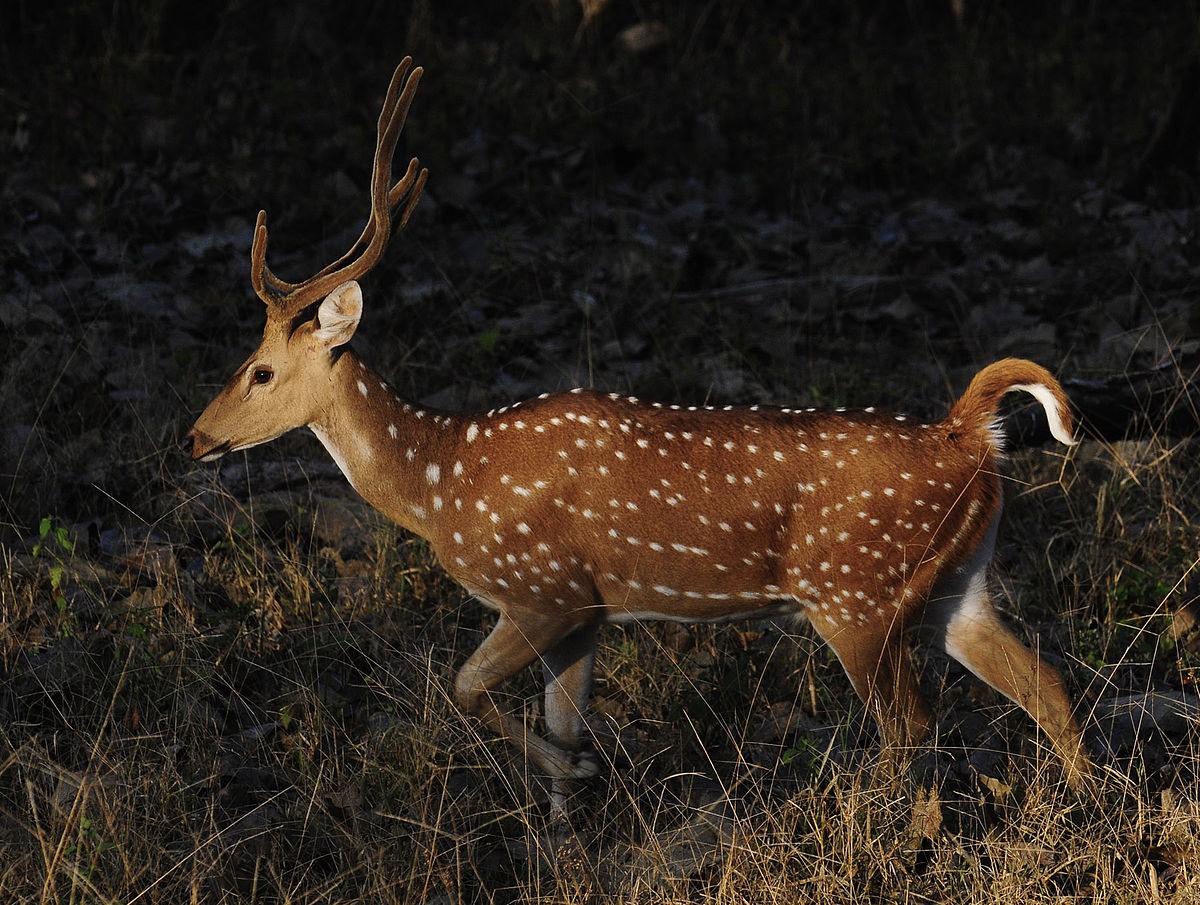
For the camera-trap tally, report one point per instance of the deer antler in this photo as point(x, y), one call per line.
point(290, 298)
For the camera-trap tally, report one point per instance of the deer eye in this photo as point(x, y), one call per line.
point(262, 375)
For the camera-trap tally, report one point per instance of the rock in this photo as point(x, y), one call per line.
point(1127, 719)
point(681, 853)
point(343, 525)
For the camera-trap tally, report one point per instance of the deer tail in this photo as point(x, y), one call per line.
point(975, 410)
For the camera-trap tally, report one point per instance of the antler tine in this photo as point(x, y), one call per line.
point(291, 297)
point(267, 286)
point(378, 230)
point(391, 121)
point(413, 197)
point(395, 197)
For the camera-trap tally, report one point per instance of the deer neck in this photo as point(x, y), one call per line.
point(391, 451)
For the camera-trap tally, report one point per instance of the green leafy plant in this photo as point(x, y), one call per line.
point(54, 540)
point(57, 536)
point(806, 753)
point(92, 846)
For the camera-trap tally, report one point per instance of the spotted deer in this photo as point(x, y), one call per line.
point(575, 509)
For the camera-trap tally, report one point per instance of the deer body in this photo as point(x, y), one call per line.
point(611, 510)
point(579, 508)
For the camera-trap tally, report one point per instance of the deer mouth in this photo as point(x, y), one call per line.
point(204, 448)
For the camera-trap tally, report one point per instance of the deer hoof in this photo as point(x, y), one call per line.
point(585, 766)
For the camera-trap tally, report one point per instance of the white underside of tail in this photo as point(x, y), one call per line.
point(1053, 415)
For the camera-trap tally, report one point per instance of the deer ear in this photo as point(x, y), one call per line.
point(337, 318)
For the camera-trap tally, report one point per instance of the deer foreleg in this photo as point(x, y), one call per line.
point(511, 647)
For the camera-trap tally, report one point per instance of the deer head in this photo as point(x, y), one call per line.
point(283, 384)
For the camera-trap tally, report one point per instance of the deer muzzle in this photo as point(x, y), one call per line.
point(203, 448)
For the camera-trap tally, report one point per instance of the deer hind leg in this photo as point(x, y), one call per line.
point(876, 661)
point(510, 648)
point(973, 634)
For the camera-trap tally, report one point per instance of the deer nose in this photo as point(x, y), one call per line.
point(188, 444)
point(203, 447)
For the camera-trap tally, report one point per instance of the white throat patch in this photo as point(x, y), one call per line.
point(336, 454)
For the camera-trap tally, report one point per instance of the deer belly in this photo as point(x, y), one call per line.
point(689, 595)
point(632, 612)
